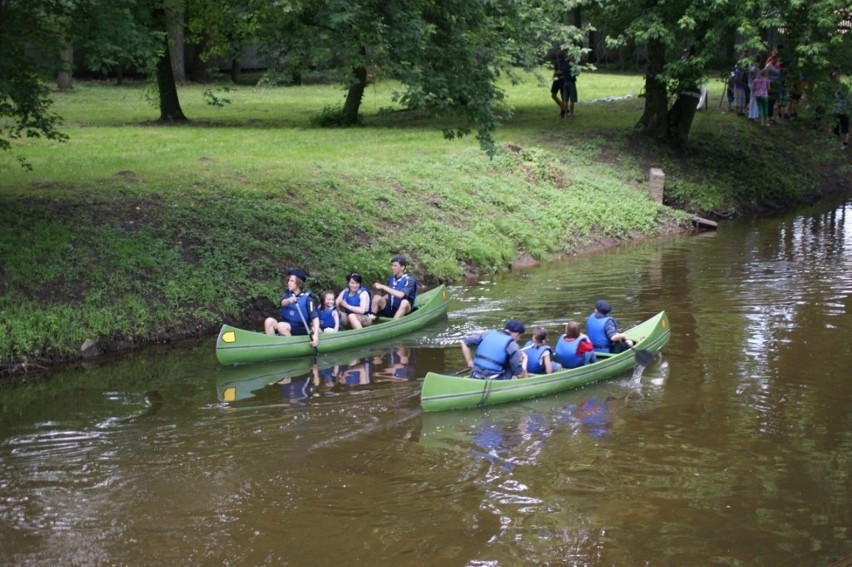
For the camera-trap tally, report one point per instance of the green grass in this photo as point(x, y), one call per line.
point(134, 231)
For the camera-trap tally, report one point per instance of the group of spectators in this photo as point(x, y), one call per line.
point(762, 91)
point(766, 91)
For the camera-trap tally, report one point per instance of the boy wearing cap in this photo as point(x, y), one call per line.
point(603, 329)
point(401, 290)
point(297, 308)
point(498, 356)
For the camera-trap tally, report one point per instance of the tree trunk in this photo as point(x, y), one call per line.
point(199, 71)
point(593, 44)
point(680, 117)
point(236, 70)
point(174, 31)
point(63, 79)
point(354, 96)
point(730, 46)
point(170, 110)
point(576, 18)
point(654, 121)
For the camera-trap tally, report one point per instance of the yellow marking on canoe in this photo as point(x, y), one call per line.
point(229, 337)
point(230, 394)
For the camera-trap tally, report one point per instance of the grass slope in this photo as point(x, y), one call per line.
point(137, 232)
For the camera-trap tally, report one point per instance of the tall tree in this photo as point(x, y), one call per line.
point(681, 36)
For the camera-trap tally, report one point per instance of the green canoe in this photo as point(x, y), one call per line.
point(446, 392)
point(237, 346)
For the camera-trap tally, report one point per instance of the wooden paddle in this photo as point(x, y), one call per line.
point(308, 329)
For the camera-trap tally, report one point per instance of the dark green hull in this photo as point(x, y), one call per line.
point(238, 346)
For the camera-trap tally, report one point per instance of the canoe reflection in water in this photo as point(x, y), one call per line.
point(302, 379)
point(592, 416)
point(508, 447)
point(511, 436)
point(398, 367)
point(297, 389)
point(507, 441)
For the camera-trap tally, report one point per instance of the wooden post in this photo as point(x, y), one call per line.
point(657, 185)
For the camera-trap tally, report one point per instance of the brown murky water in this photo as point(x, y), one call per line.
point(732, 449)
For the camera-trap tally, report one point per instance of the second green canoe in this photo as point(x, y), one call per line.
point(447, 392)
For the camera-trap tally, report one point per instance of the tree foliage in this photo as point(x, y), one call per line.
point(116, 36)
point(29, 28)
point(449, 55)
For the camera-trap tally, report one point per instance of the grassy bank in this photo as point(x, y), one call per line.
point(134, 232)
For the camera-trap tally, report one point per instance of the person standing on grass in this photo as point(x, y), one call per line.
point(760, 91)
point(740, 80)
point(557, 89)
point(841, 110)
point(401, 291)
point(569, 87)
point(777, 97)
point(753, 110)
point(297, 308)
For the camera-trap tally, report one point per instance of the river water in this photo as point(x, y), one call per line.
point(732, 448)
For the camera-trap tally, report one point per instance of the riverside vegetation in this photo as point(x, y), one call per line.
point(136, 232)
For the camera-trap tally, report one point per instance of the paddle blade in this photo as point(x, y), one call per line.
point(643, 357)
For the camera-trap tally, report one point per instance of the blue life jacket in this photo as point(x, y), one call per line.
point(534, 355)
point(491, 354)
point(355, 299)
point(399, 285)
point(595, 327)
point(566, 353)
point(326, 317)
point(299, 313)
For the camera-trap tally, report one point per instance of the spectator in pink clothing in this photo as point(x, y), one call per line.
point(760, 91)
